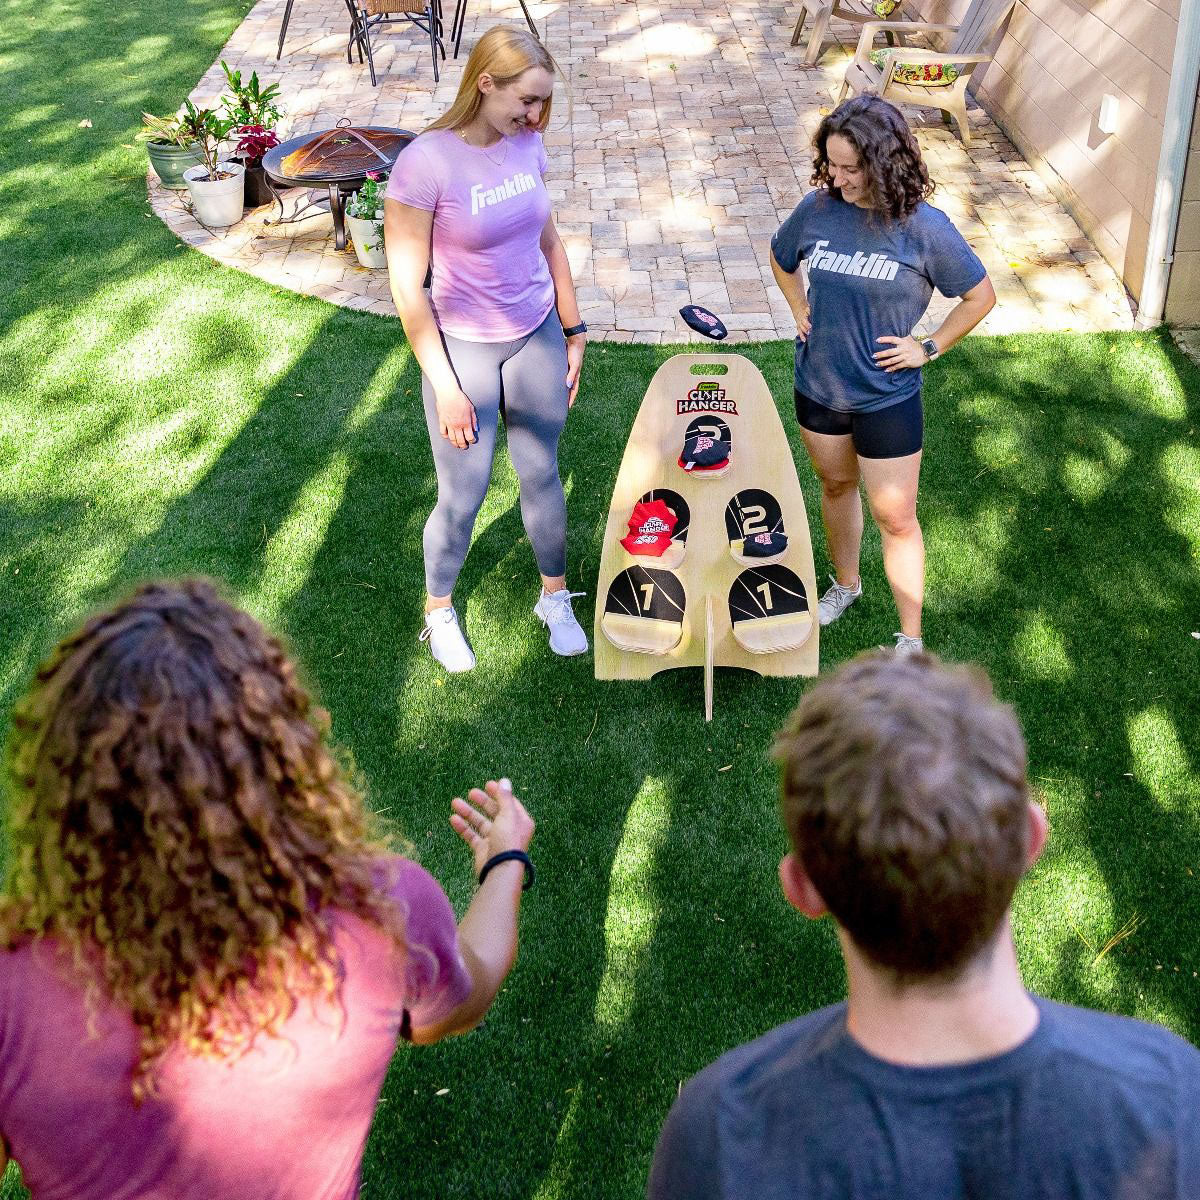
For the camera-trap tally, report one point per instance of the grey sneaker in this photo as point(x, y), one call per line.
point(907, 646)
point(566, 634)
point(836, 601)
point(446, 641)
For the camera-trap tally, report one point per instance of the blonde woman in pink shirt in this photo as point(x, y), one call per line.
point(499, 330)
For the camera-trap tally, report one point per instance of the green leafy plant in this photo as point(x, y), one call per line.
point(164, 131)
point(208, 129)
point(367, 202)
point(249, 103)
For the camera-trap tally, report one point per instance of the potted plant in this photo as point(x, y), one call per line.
point(250, 103)
point(254, 112)
point(253, 142)
point(217, 186)
point(170, 146)
point(364, 219)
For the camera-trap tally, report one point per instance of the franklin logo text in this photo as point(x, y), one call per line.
point(514, 185)
point(869, 266)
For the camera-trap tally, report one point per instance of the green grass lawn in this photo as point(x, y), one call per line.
point(160, 415)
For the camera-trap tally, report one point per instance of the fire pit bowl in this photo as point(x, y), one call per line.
point(337, 159)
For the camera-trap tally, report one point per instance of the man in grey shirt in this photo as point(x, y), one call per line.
point(907, 804)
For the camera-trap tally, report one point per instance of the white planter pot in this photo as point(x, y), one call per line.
point(217, 202)
point(365, 234)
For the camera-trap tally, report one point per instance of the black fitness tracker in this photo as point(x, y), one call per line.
point(509, 856)
point(580, 328)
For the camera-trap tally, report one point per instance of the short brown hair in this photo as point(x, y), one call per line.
point(904, 794)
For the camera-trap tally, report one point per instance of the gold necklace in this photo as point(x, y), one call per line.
point(462, 133)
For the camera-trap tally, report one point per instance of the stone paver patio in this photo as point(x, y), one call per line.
point(688, 143)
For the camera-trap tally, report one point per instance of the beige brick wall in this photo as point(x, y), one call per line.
point(1183, 288)
point(1055, 62)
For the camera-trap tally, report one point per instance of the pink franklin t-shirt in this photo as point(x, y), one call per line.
point(287, 1121)
point(491, 281)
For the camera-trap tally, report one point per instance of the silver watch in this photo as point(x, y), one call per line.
point(930, 348)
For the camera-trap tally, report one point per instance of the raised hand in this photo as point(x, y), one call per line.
point(491, 820)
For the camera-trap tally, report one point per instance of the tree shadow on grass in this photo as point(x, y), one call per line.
point(73, 86)
point(1073, 468)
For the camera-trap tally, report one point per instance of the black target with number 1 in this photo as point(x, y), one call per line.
point(770, 591)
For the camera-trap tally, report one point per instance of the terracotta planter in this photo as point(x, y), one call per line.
point(366, 235)
point(170, 161)
point(217, 203)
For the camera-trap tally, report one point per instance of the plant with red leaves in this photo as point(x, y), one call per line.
point(255, 141)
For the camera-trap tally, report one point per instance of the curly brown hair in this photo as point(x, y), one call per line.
point(178, 824)
point(896, 175)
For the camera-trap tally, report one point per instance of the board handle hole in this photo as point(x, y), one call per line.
point(709, 369)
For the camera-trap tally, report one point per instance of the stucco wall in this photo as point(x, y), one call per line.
point(1183, 288)
point(1054, 64)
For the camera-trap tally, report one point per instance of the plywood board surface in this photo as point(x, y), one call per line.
point(762, 610)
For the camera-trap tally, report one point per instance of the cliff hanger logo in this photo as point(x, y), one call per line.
point(872, 266)
point(514, 185)
point(706, 397)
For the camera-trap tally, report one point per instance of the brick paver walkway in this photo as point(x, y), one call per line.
point(688, 143)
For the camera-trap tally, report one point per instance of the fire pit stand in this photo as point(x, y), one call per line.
point(338, 182)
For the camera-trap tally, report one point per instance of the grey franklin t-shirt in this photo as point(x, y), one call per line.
point(1089, 1107)
point(867, 277)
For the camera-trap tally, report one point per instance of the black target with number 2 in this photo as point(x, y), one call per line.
point(710, 426)
point(752, 511)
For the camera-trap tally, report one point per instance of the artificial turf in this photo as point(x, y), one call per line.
point(160, 415)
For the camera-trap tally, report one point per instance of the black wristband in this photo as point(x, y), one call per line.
point(580, 328)
point(509, 856)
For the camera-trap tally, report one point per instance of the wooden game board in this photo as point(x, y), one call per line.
point(705, 603)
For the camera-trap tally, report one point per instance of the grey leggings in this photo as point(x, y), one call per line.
point(528, 378)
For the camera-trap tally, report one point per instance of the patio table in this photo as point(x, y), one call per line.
point(456, 25)
point(460, 19)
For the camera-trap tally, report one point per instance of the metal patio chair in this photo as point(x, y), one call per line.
point(366, 16)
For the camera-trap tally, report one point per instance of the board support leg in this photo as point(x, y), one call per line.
point(709, 651)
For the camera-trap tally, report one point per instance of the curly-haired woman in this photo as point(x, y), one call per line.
point(205, 958)
point(874, 251)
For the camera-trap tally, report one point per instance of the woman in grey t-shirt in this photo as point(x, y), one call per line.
point(874, 251)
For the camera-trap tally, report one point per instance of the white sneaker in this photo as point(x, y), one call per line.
point(446, 641)
point(836, 601)
point(566, 634)
point(907, 646)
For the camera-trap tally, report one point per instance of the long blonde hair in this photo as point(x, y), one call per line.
point(505, 53)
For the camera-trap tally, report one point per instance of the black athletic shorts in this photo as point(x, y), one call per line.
point(891, 432)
